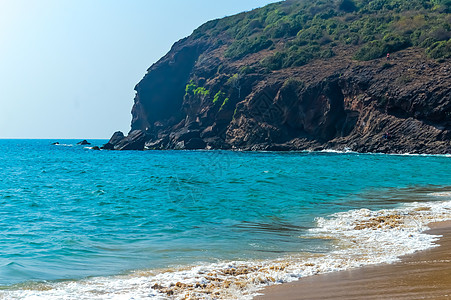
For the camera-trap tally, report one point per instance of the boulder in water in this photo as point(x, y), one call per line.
point(84, 142)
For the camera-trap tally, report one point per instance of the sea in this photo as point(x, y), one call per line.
point(78, 223)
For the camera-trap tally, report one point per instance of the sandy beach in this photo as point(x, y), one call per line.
point(423, 275)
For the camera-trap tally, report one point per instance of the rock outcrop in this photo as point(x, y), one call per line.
point(134, 141)
point(195, 98)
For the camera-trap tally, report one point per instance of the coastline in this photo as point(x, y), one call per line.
point(424, 274)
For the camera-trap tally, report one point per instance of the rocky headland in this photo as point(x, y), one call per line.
point(261, 81)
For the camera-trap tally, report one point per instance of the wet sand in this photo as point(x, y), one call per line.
point(423, 275)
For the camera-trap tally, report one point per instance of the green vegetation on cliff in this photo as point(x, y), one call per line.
point(220, 98)
point(216, 89)
point(297, 31)
point(192, 89)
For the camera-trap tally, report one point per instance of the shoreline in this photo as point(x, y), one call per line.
point(424, 274)
point(357, 283)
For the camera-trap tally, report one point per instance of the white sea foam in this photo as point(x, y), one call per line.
point(347, 150)
point(344, 151)
point(409, 154)
point(361, 237)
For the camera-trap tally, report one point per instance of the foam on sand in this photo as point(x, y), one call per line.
point(361, 237)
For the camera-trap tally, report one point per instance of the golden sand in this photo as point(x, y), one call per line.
point(423, 275)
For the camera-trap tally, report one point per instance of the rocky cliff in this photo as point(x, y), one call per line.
point(288, 90)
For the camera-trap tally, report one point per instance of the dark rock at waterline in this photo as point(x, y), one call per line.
point(134, 141)
point(195, 143)
point(108, 146)
point(157, 144)
point(84, 142)
point(95, 148)
point(115, 139)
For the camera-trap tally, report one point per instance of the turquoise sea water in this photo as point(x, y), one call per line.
point(70, 213)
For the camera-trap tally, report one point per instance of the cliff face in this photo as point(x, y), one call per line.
point(159, 95)
point(198, 97)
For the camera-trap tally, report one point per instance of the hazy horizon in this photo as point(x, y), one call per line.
point(68, 68)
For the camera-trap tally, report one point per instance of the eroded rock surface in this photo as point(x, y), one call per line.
point(196, 98)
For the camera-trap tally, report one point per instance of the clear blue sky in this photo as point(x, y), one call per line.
point(68, 67)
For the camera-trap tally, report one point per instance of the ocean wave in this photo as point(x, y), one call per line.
point(350, 151)
point(344, 151)
point(361, 237)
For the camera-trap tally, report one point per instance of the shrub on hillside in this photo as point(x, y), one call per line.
point(241, 48)
point(440, 50)
point(378, 49)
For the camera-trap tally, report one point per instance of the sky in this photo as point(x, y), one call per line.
point(68, 68)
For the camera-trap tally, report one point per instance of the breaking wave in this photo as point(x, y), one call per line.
point(360, 237)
